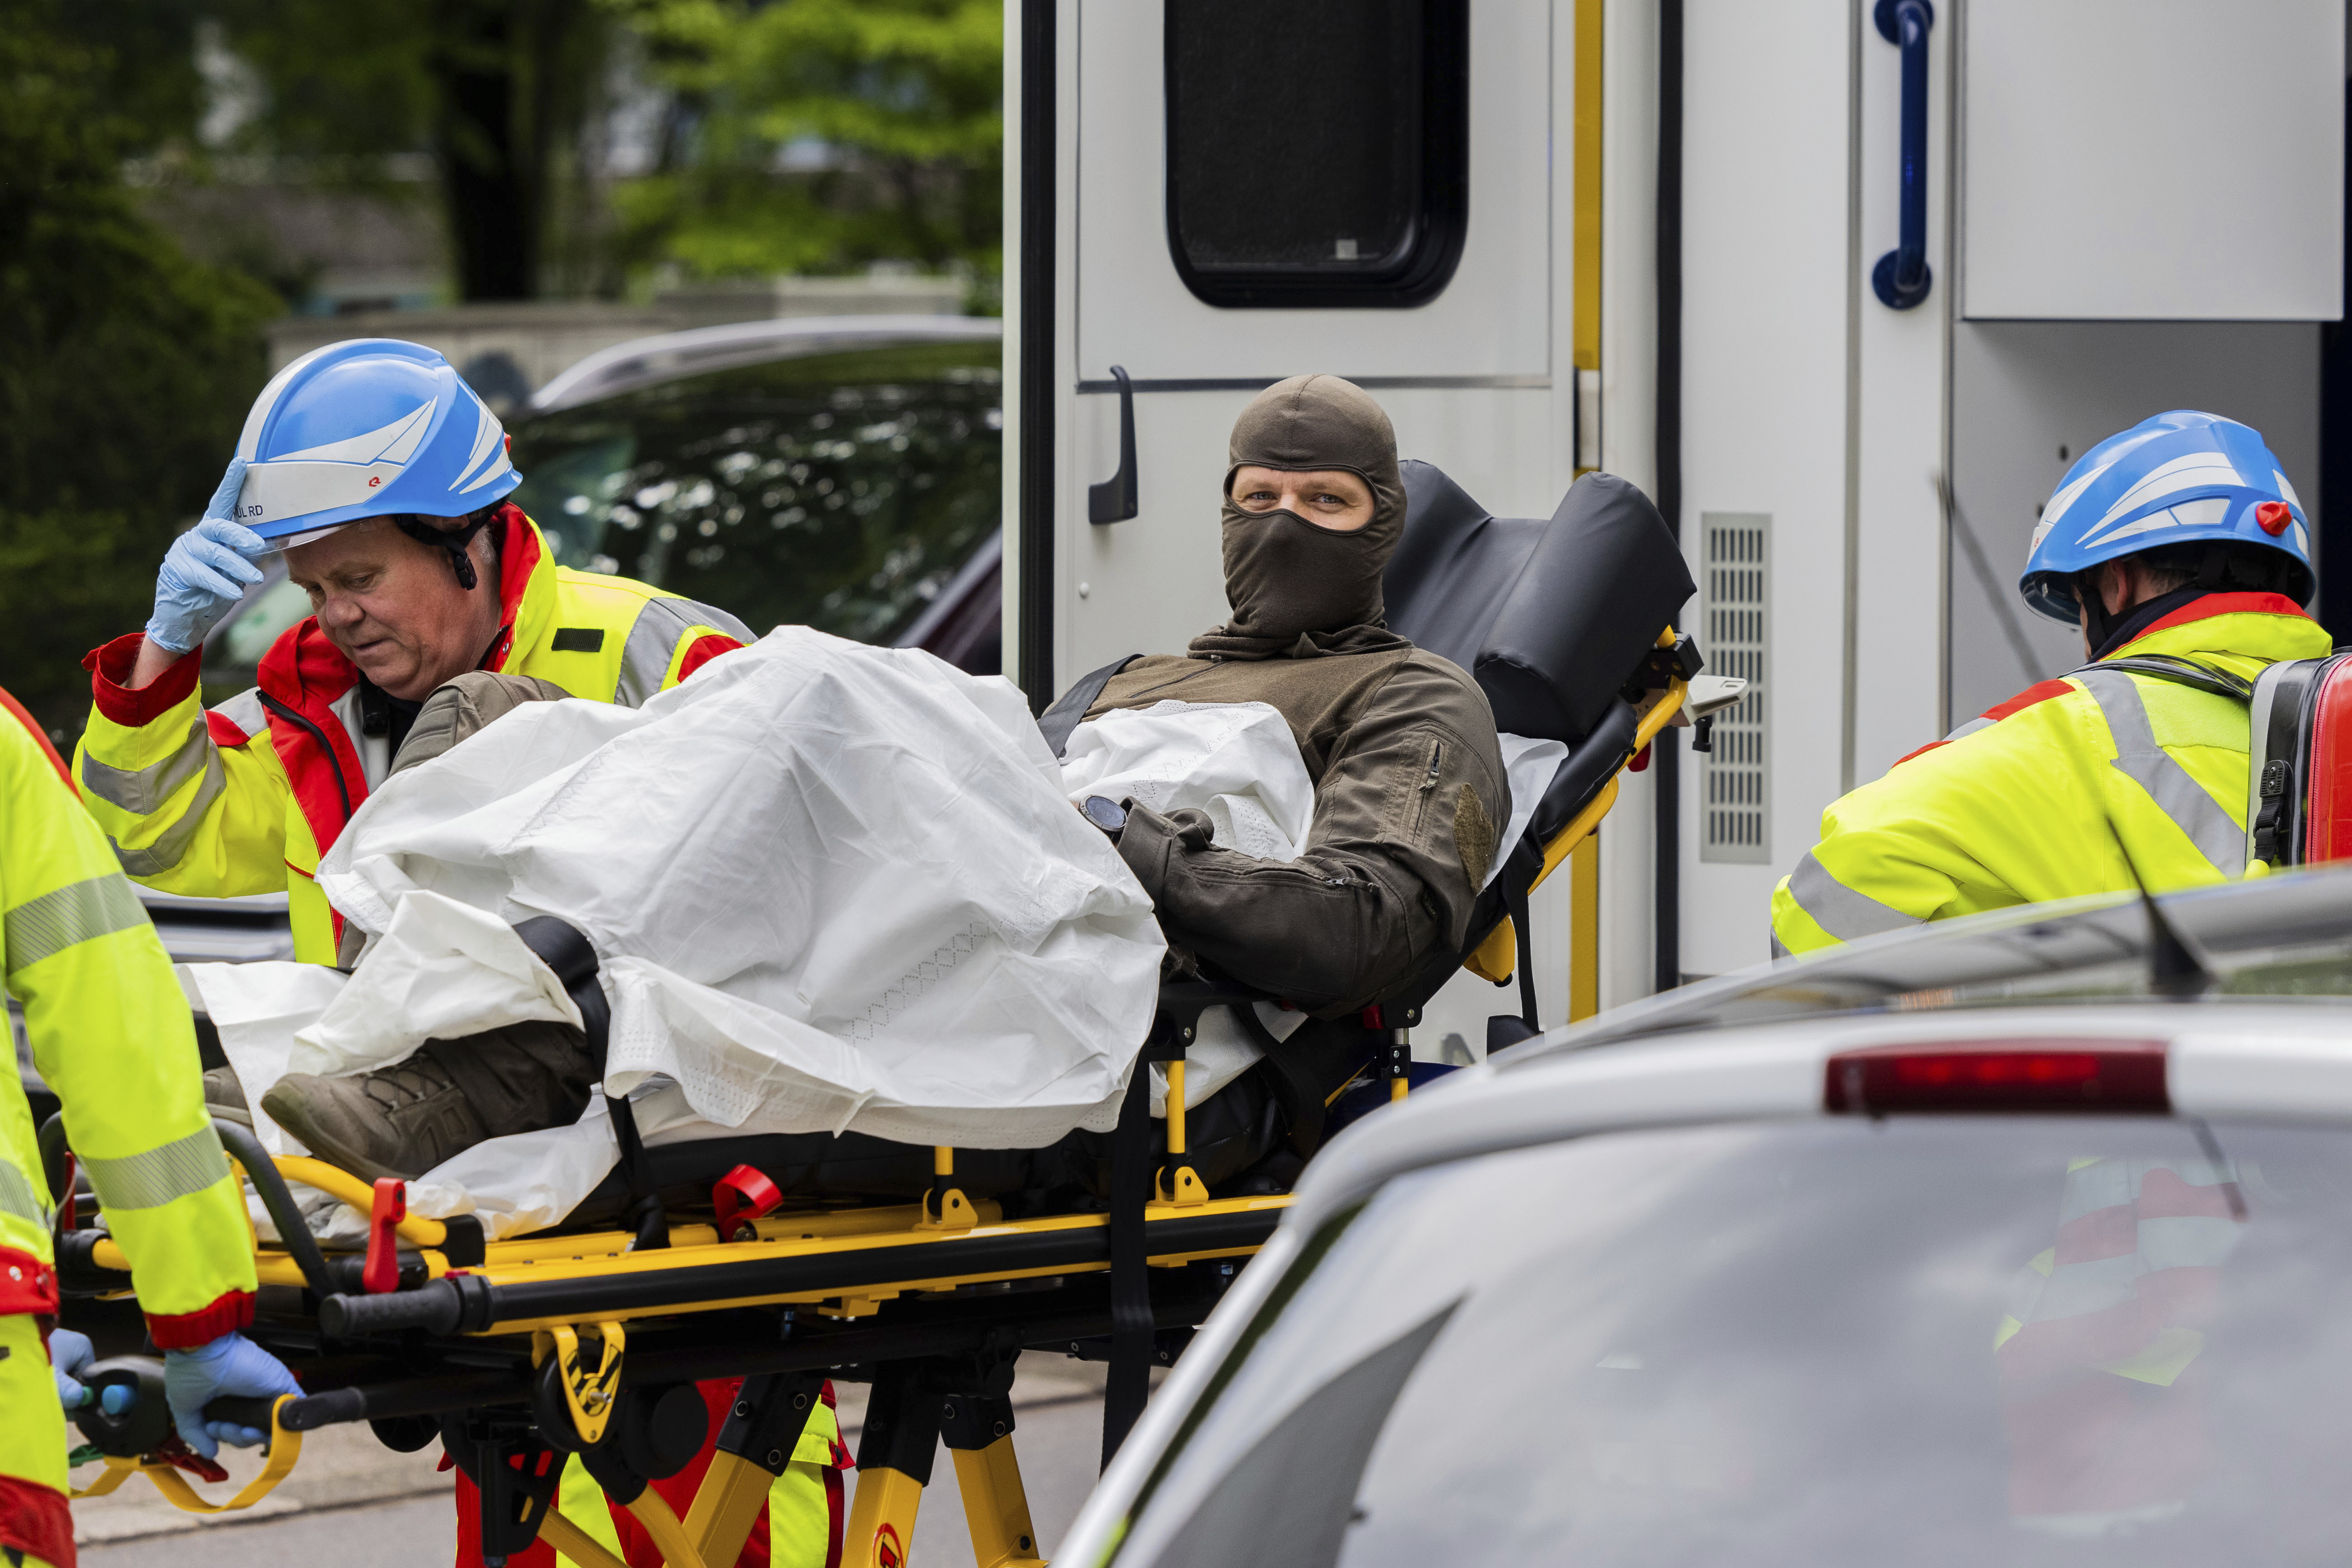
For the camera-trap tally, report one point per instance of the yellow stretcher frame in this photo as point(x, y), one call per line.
point(881, 1522)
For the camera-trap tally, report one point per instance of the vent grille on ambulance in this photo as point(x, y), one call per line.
point(1734, 802)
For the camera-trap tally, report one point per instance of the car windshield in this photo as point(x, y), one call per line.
point(1958, 1340)
point(842, 491)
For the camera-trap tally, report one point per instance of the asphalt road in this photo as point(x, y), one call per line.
point(351, 1503)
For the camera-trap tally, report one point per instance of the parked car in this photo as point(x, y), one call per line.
point(2025, 1238)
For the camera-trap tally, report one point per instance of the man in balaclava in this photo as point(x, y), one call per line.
point(1409, 785)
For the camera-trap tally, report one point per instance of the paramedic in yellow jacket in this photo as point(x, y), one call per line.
point(2182, 552)
point(110, 1035)
point(384, 478)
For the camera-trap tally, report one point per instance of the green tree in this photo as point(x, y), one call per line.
point(125, 367)
point(498, 92)
point(903, 98)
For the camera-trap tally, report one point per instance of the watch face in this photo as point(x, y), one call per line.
point(1105, 813)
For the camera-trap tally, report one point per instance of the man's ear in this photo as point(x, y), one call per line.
point(2115, 587)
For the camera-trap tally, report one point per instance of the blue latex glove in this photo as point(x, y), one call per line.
point(230, 1364)
point(206, 571)
point(68, 1353)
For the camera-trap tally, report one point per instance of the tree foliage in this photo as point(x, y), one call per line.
point(125, 367)
point(898, 101)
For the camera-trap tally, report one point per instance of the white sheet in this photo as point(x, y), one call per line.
point(737, 1008)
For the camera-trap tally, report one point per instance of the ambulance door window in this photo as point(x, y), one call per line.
point(1318, 150)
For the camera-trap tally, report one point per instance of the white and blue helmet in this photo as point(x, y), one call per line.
point(364, 428)
point(2181, 477)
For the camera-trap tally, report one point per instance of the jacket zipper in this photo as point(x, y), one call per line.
point(1429, 783)
point(334, 765)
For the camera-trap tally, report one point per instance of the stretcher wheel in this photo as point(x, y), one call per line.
point(406, 1434)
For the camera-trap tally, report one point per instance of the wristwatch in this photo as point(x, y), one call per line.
point(1105, 813)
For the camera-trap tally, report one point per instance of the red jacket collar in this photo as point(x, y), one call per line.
point(306, 674)
point(2214, 604)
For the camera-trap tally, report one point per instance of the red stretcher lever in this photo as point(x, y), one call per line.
point(742, 1195)
point(381, 1275)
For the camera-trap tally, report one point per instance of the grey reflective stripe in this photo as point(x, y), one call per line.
point(652, 643)
point(1779, 948)
point(2140, 759)
point(1970, 728)
point(245, 711)
point(141, 791)
point(42, 928)
point(165, 852)
point(154, 1178)
point(17, 1198)
point(1839, 910)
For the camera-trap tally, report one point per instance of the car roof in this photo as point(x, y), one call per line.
point(672, 356)
point(2094, 949)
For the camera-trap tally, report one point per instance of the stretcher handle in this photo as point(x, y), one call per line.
point(413, 1228)
point(436, 1308)
point(242, 1410)
point(293, 1233)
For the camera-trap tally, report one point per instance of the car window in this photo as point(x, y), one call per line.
point(841, 491)
point(2055, 1341)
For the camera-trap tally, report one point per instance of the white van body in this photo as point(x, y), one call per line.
point(2113, 228)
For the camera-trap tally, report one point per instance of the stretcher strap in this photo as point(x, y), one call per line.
point(285, 1449)
point(1057, 722)
point(565, 950)
point(1516, 903)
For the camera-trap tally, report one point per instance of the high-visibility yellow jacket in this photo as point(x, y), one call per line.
point(246, 797)
point(110, 1034)
point(2044, 796)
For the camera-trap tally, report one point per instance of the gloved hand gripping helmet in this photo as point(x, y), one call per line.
point(2181, 477)
point(365, 428)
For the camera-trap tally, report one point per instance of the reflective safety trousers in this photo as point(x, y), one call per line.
point(111, 1037)
point(2045, 795)
point(246, 797)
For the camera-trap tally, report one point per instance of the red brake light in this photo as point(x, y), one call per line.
point(2078, 1075)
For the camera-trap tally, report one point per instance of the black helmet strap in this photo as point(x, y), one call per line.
point(457, 541)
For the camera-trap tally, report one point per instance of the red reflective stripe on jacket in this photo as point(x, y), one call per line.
point(224, 729)
point(233, 1309)
point(704, 649)
point(34, 1519)
point(2214, 604)
point(32, 727)
point(2041, 692)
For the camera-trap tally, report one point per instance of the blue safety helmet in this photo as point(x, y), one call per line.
point(2181, 477)
point(362, 428)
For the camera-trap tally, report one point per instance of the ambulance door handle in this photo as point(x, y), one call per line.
point(1113, 500)
point(1901, 278)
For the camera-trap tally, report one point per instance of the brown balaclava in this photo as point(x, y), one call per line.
point(1298, 590)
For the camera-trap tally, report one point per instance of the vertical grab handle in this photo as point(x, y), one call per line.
point(1113, 500)
point(1901, 278)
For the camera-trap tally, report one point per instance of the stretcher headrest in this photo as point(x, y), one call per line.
point(1552, 616)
